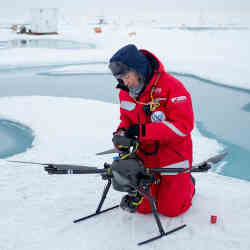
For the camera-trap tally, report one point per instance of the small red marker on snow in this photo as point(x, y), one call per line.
point(213, 219)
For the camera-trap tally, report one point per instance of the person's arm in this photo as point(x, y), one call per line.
point(124, 120)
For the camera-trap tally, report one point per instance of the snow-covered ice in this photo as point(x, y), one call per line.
point(37, 210)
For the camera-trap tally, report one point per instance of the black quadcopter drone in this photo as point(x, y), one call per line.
point(127, 174)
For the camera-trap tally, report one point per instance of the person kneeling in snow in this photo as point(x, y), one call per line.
point(156, 109)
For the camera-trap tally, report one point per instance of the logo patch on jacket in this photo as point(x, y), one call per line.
point(179, 99)
point(158, 116)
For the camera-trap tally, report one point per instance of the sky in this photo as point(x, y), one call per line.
point(114, 6)
point(148, 4)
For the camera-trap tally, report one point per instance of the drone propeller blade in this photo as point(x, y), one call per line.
point(29, 162)
point(59, 166)
point(64, 168)
point(110, 151)
point(213, 160)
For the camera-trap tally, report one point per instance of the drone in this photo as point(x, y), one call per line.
point(127, 174)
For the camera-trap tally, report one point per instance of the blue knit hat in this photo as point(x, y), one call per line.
point(129, 58)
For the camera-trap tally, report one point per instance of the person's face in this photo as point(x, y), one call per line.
point(130, 79)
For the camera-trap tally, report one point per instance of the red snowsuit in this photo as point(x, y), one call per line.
point(167, 139)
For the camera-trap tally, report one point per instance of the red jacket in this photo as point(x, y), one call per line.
point(167, 138)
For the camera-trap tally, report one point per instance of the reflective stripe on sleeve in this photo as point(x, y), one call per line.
point(182, 164)
point(173, 128)
point(128, 105)
point(179, 165)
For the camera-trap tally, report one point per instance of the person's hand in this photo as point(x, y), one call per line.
point(121, 142)
point(135, 130)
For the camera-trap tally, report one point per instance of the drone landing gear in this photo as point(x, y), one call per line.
point(157, 218)
point(161, 235)
point(154, 210)
point(98, 210)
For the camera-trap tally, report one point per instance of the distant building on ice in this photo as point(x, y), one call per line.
point(43, 22)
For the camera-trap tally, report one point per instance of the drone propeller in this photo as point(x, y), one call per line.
point(215, 159)
point(109, 151)
point(200, 167)
point(52, 168)
point(30, 162)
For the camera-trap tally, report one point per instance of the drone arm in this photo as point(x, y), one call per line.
point(201, 167)
point(167, 171)
point(72, 169)
point(174, 171)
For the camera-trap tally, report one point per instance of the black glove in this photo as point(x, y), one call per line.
point(122, 142)
point(135, 130)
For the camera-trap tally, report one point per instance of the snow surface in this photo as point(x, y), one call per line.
point(37, 210)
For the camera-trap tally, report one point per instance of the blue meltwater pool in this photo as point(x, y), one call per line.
point(221, 113)
point(14, 138)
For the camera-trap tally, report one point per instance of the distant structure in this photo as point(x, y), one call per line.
point(43, 22)
point(101, 20)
